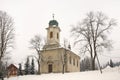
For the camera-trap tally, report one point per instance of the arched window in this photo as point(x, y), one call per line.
point(57, 36)
point(51, 34)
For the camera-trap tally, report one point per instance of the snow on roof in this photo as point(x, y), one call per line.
point(11, 66)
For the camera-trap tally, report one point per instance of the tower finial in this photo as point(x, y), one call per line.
point(53, 15)
point(69, 46)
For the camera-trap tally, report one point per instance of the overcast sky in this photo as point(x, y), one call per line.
point(31, 17)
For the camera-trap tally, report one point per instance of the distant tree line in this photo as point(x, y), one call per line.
point(111, 63)
point(85, 64)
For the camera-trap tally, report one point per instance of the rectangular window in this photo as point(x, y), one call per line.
point(57, 36)
point(77, 63)
point(73, 61)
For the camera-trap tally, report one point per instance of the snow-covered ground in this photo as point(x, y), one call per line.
point(108, 74)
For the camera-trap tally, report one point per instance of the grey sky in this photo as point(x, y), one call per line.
point(32, 16)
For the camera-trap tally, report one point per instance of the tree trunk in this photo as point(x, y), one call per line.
point(39, 72)
point(92, 60)
point(93, 64)
point(63, 68)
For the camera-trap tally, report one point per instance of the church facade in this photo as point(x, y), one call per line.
point(55, 58)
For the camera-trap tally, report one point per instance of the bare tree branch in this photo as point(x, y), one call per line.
point(6, 33)
point(92, 31)
point(36, 44)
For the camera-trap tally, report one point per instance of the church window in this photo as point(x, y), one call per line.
point(57, 36)
point(77, 63)
point(73, 61)
point(51, 34)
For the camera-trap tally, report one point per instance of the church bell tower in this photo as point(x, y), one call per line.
point(53, 34)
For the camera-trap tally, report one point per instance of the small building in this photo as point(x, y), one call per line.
point(55, 58)
point(12, 70)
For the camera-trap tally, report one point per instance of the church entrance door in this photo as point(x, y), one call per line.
point(50, 68)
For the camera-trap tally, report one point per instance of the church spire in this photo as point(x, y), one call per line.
point(53, 22)
point(53, 33)
point(69, 46)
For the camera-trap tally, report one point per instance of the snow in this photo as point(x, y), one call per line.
point(109, 69)
point(108, 74)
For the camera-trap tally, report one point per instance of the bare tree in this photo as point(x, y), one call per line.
point(36, 44)
point(92, 32)
point(66, 46)
point(64, 56)
point(6, 34)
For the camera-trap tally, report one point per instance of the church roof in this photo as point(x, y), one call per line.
point(53, 22)
point(12, 65)
point(58, 48)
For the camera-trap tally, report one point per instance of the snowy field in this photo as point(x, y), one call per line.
point(108, 74)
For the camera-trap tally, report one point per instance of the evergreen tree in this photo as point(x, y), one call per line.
point(82, 66)
point(20, 69)
point(32, 67)
point(85, 64)
point(111, 63)
point(27, 67)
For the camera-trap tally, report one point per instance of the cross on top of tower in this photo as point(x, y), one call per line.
point(53, 22)
point(53, 15)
